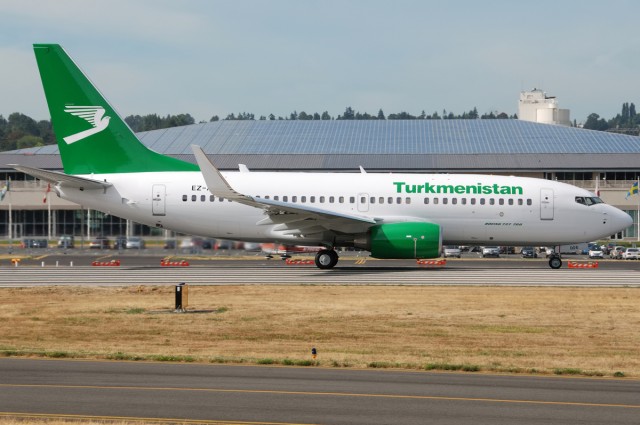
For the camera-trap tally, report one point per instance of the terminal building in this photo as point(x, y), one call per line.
point(604, 163)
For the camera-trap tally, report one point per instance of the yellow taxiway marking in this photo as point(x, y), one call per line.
point(134, 419)
point(330, 394)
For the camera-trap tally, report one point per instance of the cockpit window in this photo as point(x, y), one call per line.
point(588, 200)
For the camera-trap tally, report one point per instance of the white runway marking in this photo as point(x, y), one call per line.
point(112, 276)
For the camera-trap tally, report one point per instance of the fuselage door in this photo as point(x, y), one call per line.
point(363, 202)
point(546, 204)
point(158, 199)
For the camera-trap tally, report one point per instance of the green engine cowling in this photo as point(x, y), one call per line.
point(405, 240)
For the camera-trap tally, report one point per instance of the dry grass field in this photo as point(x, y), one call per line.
point(582, 331)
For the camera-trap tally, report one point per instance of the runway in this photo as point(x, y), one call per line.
point(251, 274)
point(261, 395)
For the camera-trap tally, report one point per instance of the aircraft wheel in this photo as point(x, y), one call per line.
point(555, 262)
point(326, 259)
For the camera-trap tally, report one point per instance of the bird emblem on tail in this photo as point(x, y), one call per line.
point(94, 115)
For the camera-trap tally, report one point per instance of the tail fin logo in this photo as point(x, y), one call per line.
point(94, 115)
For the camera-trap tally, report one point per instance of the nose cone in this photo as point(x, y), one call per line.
point(620, 220)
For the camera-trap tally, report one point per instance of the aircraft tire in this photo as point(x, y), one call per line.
point(326, 259)
point(555, 262)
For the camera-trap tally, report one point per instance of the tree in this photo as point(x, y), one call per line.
point(272, 117)
point(594, 122)
point(348, 114)
point(214, 118)
point(326, 116)
point(23, 123)
point(381, 115)
point(29, 141)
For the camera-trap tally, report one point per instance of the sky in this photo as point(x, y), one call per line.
point(215, 57)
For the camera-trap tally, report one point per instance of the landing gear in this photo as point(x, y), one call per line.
point(326, 259)
point(555, 262)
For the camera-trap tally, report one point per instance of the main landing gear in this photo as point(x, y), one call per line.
point(555, 262)
point(326, 259)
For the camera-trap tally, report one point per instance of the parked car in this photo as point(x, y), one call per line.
point(191, 245)
point(34, 243)
point(528, 252)
point(100, 242)
point(451, 251)
point(120, 242)
point(66, 241)
point(169, 244)
point(135, 242)
point(617, 251)
point(490, 251)
point(596, 252)
point(631, 254)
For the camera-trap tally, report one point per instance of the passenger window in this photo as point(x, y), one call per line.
point(371, 200)
point(511, 201)
point(408, 200)
point(212, 198)
point(398, 200)
point(322, 199)
point(463, 201)
point(184, 198)
point(454, 201)
point(331, 199)
point(481, 201)
point(312, 199)
point(294, 199)
point(529, 202)
point(341, 199)
point(303, 199)
point(501, 201)
point(435, 201)
point(519, 201)
point(352, 199)
point(381, 200)
point(473, 201)
point(389, 200)
point(285, 198)
point(445, 201)
point(426, 201)
point(363, 200)
point(276, 198)
point(193, 198)
point(266, 197)
point(492, 201)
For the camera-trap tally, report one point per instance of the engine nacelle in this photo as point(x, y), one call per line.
point(402, 240)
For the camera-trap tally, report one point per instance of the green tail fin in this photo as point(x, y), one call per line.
point(91, 136)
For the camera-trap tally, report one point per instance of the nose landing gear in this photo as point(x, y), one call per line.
point(555, 262)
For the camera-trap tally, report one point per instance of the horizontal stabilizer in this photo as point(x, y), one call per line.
point(61, 179)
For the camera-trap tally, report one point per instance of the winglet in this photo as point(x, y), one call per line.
point(216, 183)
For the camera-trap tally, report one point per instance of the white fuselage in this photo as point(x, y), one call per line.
point(471, 209)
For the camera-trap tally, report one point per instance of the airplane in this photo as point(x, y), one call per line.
point(399, 216)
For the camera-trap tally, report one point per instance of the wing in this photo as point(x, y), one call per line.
point(92, 114)
point(288, 218)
